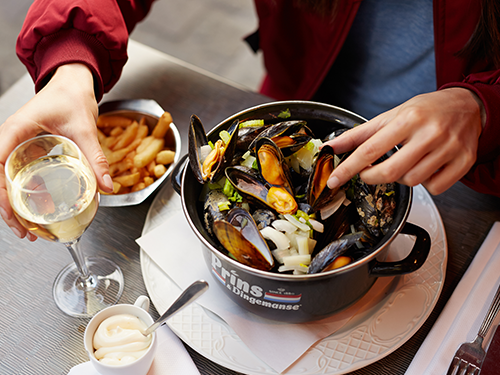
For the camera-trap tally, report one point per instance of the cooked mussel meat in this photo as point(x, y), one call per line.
point(209, 166)
point(239, 235)
point(271, 164)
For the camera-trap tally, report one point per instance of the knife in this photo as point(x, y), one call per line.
point(491, 364)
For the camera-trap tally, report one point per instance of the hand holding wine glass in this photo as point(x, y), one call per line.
point(65, 106)
point(53, 192)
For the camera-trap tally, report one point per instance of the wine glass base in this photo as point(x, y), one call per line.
point(74, 299)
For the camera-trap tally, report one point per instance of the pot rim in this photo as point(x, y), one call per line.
point(274, 275)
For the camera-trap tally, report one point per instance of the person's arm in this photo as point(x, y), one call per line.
point(91, 32)
point(75, 51)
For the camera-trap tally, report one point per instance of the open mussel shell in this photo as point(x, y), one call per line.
point(289, 136)
point(211, 167)
point(214, 200)
point(239, 235)
point(318, 193)
point(332, 251)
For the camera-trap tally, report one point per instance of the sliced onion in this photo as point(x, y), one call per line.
point(204, 151)
point(292, 219)
point(280, 240)
point(303, 245)
point(296, 260)
point(279, 254)
point(317, 226)
point(333, 206)
point(284, 226)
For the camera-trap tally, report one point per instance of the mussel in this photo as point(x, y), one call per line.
point(375, 205)
point(289, 136)
point(332, 251)
point(250, 186)
point(239, 235)
point(318, 193)
point(210, 167)
point(212, 211)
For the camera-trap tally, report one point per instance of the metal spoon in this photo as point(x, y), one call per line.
point(191, 293)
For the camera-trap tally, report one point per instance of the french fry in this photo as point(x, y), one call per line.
point(121, 166)
point(151, 167)
point(145, 157)
point(126, 138)
point(111, 121)
point(116, 131)
point(145, 144)
point(109, 142)
point(162, 125)
point(148, 180)
point(100, 135)
point(139, 186)
point(116, 156)
point(128, 180)
point(165, 157)
point(160, 170)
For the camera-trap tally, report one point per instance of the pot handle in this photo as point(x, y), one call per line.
point(177, 173)
point(413, 261)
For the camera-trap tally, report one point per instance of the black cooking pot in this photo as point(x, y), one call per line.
point(293, 298)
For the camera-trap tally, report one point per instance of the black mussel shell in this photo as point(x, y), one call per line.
point(239, 235)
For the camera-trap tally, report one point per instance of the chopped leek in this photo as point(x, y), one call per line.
point(251, 123)
point(285, 114)
point(225, 136)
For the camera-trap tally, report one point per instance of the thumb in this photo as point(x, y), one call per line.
point(89, 144)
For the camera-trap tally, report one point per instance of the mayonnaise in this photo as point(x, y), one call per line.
point(118, 340)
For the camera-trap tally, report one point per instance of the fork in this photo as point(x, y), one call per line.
point(470, 355)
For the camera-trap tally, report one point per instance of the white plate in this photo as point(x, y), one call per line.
point(367, 338)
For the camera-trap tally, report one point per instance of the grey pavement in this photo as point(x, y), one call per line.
point(205, 33)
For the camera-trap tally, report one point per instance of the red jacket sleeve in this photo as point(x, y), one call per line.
point(92, 32)
point(483, 176)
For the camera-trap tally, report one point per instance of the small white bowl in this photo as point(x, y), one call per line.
point(139, 367)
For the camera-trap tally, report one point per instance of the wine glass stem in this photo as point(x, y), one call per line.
point(86, 279)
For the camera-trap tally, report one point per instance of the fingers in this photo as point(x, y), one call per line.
point(7, 213)
point(89, 145)
point(381, 140)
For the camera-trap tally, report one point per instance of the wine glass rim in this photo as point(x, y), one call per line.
point(7, 175)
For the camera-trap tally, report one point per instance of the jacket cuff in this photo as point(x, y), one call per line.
point(75, 46)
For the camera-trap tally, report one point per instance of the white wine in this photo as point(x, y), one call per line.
point(55, 197)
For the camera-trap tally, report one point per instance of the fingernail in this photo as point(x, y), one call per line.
point(16, 232)
point(333, 182)
point(3, 213)
point(108, 181)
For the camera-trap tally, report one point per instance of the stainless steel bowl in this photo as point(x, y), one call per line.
point(136, 109)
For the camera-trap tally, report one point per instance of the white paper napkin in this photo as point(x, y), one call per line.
point(171, 358)
point(277, 344)
point(464, 312)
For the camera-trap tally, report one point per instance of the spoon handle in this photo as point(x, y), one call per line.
point(191, 293)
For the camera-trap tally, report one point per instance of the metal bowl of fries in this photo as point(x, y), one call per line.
point(142, 145)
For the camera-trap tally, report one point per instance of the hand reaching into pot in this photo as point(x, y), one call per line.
point(65, 106)
point(438, 132)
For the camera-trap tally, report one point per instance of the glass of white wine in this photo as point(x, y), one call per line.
point(53, 192)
